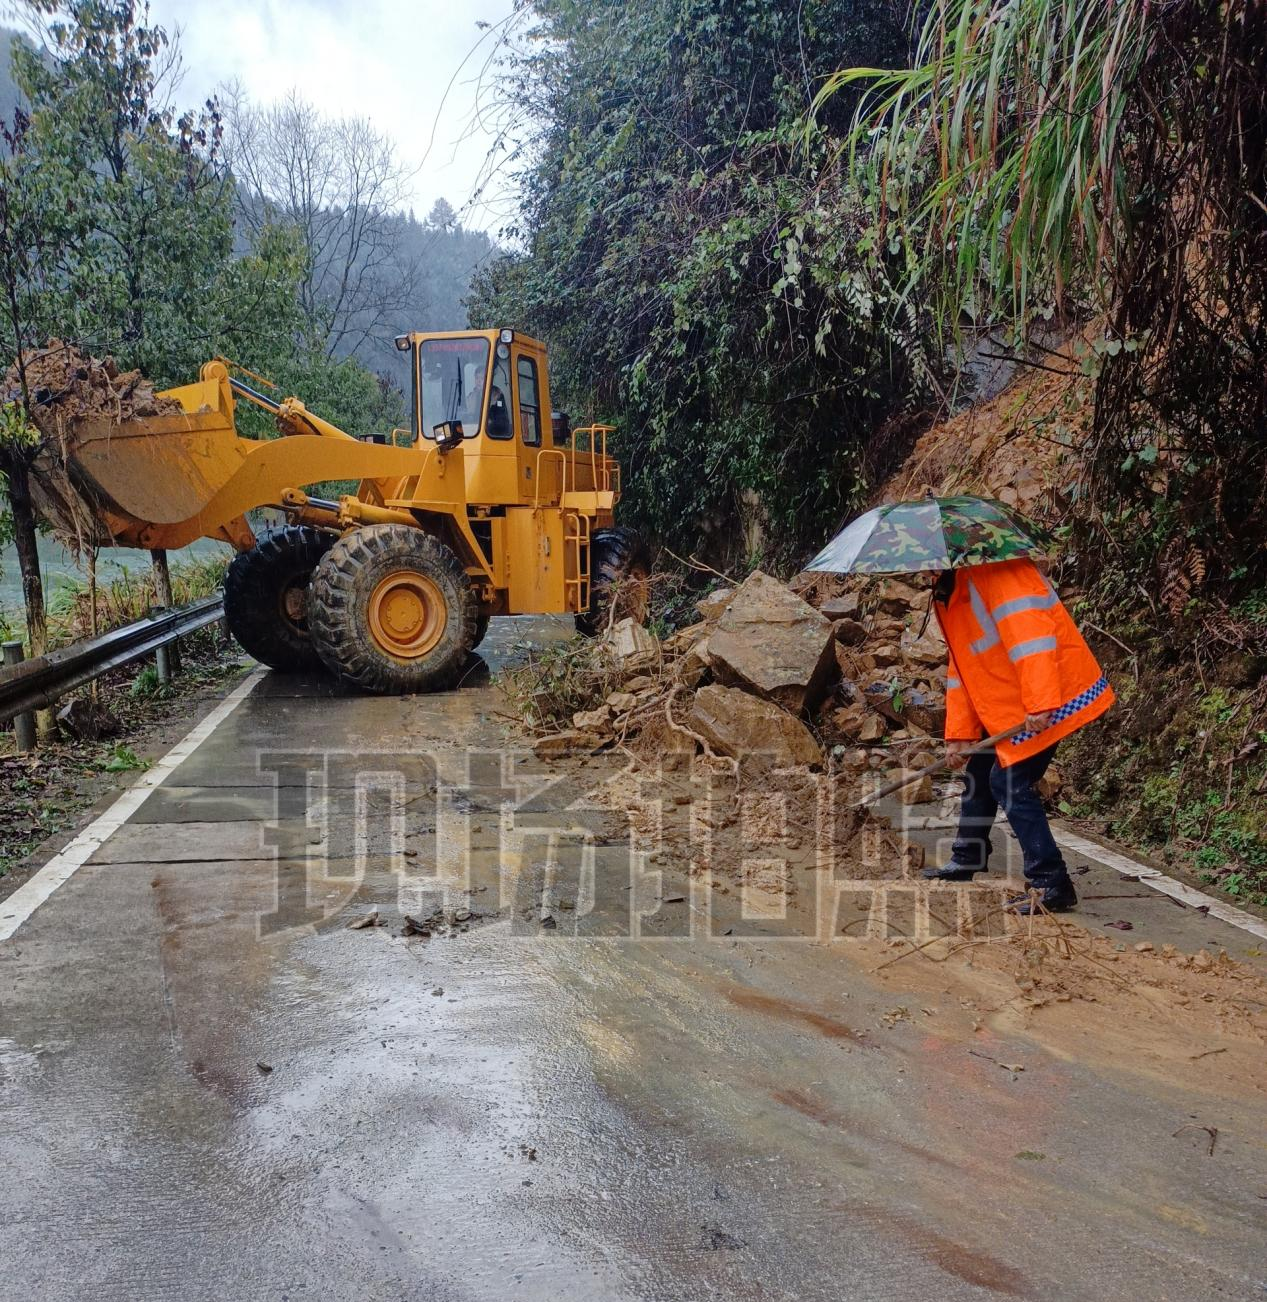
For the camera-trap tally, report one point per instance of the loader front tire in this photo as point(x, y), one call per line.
point(392, 611)
point(620, 565)
point(266, 597)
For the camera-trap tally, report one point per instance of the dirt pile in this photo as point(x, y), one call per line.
point(66, 388)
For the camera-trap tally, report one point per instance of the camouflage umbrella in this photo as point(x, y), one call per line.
point(935, 533)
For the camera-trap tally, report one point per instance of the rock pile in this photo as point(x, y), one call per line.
point(845, 675)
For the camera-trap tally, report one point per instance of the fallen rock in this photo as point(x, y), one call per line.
point(712, 604)
point(1050, 784)
point(693, 668)
point(596, 720)
point(840, 607)
point(897, 597)
point(686, 637)
point(849, 632)
point(880, 696)
point(872, 728)
point(80, 719)
point(919, 792)
point(619, 702)
point(848, 720)
point(573, 741)
point(758, 733)
point(924, 711)
point(771, 642)
point(628, 640)
point(927, 649)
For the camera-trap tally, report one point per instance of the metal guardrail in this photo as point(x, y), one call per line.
point(38, 683)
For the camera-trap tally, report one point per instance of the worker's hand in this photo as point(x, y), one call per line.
point(1038, 722)
point(958, 753)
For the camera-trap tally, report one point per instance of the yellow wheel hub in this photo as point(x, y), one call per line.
point(407, 615)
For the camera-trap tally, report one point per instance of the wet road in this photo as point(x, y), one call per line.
point(211, 1087)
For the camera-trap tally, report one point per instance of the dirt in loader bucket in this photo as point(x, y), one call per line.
point(69, 389)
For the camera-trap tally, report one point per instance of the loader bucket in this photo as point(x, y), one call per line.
point(116, 481)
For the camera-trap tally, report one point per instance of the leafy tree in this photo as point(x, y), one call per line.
point(115, 231)
point(35, 221)
point(1106, 162)
point(337, 182)
point(701, 279)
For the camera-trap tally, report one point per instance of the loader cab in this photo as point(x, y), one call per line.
point(494, 384)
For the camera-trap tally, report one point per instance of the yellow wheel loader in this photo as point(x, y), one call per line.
point(489, 505)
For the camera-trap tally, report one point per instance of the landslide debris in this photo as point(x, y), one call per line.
point(68, 387)
point(771, 643)
point(844, 675)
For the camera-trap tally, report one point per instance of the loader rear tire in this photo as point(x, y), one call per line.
point(482, 627)
point(266, 597)
point(393, 611)
point(620, 564)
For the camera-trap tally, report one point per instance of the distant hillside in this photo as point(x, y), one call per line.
point(445, 257)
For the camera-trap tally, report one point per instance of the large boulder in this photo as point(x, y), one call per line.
point(772, 643)
point(758, 733)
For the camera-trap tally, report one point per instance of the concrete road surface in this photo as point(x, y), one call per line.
point(211, 1087)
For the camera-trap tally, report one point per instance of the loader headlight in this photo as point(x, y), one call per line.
point(506, 336)
point(448, 435)
point(402, 343)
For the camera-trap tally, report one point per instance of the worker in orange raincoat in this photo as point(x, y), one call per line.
point(1014, 658)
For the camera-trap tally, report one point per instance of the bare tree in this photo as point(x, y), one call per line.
point(340, 183)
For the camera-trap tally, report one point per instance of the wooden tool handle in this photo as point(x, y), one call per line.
point(898, 784)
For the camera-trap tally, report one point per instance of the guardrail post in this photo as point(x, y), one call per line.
point(162, 654)
point(163, 591)
point(23, 724)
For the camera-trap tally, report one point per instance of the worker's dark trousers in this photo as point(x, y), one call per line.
point(990, 787)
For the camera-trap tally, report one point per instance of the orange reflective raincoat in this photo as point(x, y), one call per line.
point(1013, 650)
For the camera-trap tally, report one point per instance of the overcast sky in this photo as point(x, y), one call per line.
point(386, 60)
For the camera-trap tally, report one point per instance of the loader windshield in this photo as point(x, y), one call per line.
point(452, 374)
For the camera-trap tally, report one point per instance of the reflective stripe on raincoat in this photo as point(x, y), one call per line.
point(1013, 650)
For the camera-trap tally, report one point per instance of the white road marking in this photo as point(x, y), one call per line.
point(1161, 882)
point(15, 910)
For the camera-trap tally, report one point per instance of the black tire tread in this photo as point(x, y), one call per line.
point(340, 632)
point(253, 584)
point(613, 554)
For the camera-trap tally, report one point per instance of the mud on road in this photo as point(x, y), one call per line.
point(648, 1068)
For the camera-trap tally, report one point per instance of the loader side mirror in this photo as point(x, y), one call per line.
point(448, 435)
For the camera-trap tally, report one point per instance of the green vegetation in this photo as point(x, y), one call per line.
point(1181, 774)
point(764, 240)
point(705, 279)
point(123, 599)
point(138, 230)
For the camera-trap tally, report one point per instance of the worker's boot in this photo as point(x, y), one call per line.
point(1056, 896)
point(952, 872)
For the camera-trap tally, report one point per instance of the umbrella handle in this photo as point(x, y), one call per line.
point(898, 784)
